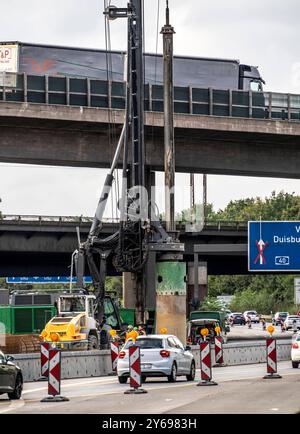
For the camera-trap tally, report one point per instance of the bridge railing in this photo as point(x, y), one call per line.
point(86, 92)
point(5, 218)
point(220, 225)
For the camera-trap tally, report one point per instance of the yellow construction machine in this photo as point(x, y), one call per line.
point(75, 326)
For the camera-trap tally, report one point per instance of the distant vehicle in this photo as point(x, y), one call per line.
point(161, 356)
point(253, 316)
point(206, 319)
point(237, 318)
point(228, 313)
point(279, 317)
point(289, 322)
point(11, 378)
point(295, 351)
point(200, 72)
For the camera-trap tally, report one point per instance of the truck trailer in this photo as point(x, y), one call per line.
point(200, 72)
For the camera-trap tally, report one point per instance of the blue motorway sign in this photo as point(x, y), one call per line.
point(274, 246)
point(47, 279)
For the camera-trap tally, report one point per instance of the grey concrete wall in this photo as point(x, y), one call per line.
point(79, 364)
point(245, 353)
point(76, 364)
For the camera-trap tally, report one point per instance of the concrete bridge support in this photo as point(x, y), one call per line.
point(129, 290)
point(196, 292)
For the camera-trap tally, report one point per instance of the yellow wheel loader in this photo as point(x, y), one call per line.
point(75, 326)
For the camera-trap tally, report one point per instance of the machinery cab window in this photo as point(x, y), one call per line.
point(109, 312)
point(72, 304)
point(256, 86)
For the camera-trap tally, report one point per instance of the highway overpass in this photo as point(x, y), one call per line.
point(219, 132)
point(36, 245)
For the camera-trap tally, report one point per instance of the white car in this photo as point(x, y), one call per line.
point(161, 356)
point(295, 351)
point(253, 315)
point(289, 322)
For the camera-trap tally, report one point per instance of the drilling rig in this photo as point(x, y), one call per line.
point(140, 246)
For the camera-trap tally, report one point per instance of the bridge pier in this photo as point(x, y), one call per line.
point(129, 290)
point(197, 287)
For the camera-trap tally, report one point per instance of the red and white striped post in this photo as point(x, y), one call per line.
point(54, 377)
point(114, 351)
point(219, 352)
point(271, 359)
point(135, 370)
point(205, 365)
point(44, 361)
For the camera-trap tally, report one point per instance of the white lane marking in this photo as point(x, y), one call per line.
point(82, 383)
point(274, 409)
point(13, 406)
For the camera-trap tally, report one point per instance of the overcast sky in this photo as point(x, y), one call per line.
point(261, 33)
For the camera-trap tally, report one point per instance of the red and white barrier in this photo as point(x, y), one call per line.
point(114, 349)
point(135, 370)
point(45, 359)
point(205, 365)
point(135, 366)
point(54, 377)
point(54, 372)
point(219, 351)
point(271, 358)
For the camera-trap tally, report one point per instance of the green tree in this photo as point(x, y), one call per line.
point(211, 303)
point(114, 285)
point(281, 206)
point(265, 293)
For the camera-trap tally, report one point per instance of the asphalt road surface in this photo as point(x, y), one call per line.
point(240, 389)
point(242, 332)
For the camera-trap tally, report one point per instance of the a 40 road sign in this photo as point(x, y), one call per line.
point(274, 246)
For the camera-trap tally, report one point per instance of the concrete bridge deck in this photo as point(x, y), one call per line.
point(78, 136)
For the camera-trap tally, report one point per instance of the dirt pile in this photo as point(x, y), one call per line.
point(17, 344)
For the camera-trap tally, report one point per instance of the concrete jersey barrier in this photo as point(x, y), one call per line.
point(245, 353)
point(80, 364)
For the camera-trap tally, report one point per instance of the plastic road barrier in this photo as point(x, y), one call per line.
point(219, 351)
point(205, 365)
point(271, 359)
point(114, 350)
point(135, 370)
point(54, 378)
point(44, 361)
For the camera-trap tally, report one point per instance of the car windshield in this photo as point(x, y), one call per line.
point(147, 343)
